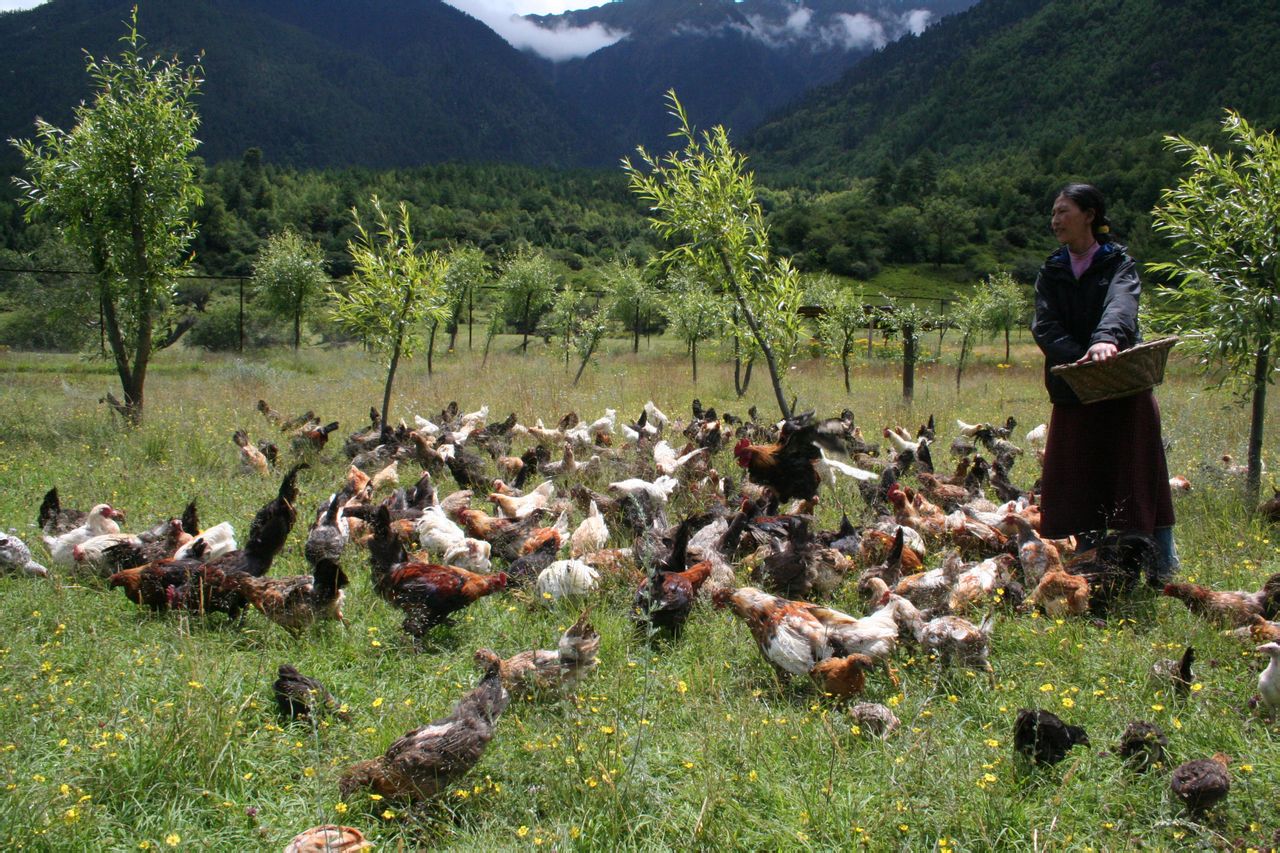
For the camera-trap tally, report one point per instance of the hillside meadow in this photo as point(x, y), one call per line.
point(121, 730)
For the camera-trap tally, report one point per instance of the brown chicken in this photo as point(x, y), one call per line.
point(788, 467)
point(508, 536)
point(666, 596)
point(1037, 557)
point(299, 696)
point(1060, 594)
point(312, 439)
point(932, 526)
point(427, 760)
point(1259, 631)
point(1234, 609)
point(427, 593)
point(533, 673)
point(1201, 784)
point(1142, 746)
point(878, 547)
point(843, 678)
point(788, 634)
point(296, 603)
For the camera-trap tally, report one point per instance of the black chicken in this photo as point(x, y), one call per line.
point(1043, 737)
point(301, 697)
point(788, 467)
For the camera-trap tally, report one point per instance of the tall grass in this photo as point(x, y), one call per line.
point(119, 729)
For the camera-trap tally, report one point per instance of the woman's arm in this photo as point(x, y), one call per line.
point(1119, 323)
point(1048, 330)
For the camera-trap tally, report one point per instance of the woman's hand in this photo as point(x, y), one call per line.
point(1101, 351)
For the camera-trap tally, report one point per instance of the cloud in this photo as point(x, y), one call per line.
point(916, 21)
point(18, 5)
point(557, 44)
point(839, 31)
point(855, 31)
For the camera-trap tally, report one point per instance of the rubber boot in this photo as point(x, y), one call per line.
point(1168, 563)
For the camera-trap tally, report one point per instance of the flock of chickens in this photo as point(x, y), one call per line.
point(431, 556)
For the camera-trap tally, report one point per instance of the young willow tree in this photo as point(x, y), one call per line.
point(468, 269)
point(529, 283)
point(289, 271)
point(394, 290)
point(121, 184)
point(970, 317)
point(1224, 221)
point(703, 198)
point(843, 320)
point(1007, 304)
point(694, 313)
point(632, 299)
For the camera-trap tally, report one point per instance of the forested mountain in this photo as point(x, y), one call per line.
point(376, 83)
point(1078, 83)
point(731, 63)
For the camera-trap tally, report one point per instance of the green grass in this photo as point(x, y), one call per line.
point(164, 726)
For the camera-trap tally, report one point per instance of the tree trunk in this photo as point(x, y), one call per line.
point(585, 359)
point(1253, 474)
point(844, 362)
point(431, 347)
point(524, 345)
point(635, 336)
point(964, 354)
point(871, 331)
point(762, 339)
point(391, 377)
point(693, 356)
point(471, 313)
point(488, 339)
point(942, 334)
point(908, 362)
point(1006, 345)
point(240, 320)
point(746, 376)
point(297, 325)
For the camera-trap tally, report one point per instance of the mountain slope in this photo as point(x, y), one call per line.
point(1011, 75)
point(731, 63)
point(380, 83)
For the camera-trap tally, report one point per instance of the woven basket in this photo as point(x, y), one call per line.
point(1131, 371)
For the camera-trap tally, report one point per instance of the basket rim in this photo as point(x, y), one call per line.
point(1145, 346)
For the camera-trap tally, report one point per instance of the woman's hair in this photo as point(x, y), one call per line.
point(1089, 197)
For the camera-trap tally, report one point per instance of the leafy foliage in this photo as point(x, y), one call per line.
point(288, 273)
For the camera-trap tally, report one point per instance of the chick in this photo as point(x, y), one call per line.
point(428, 759)
point(1142, 746)
point(298, 695)
point(1175, 672)
point(1043, 737)
point(875, 718)
point(1201, 784)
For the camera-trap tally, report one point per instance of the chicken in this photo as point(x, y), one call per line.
point(946, 495)
point(1060, 594)
point(15, 558)
point(1036, 556)
point(956, 638)
point(105, 555)
point(53, 520)
point(436, 532)
point(842, 678)
point(1115, 567)
point(659, 490)
point(252, 460)
point(470, 554)
point(209, 544)
point(529, 566)
point(508, 536)
point(1175, 672)
point(312, 439)
point(878, 720)
point(1142, 746)
point(591, 535)
point(530, 674)
point(427, 593)
point(666, 596)
point(829, 469)
point(931, 590)
point(1269, 679)
point(386, 478)
point(1201, 784)
point(789, 466)
point(567, 579)
point(329, 838)
point(100, 521)
point(879, 547)
point(296, 603)
point(1038, 437)
point(1234, 609)
point(976, 583)
point(875, 636)
point(1043, 738)
point(932, 526)
point(789, 636)
point(1258, 631)
point(801, 566)
point(520, 507)
point(301, 697)
point(326, 539)
point(429, 759)
point(668, 462)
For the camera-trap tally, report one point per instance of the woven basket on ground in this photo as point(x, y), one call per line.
point(1133, 370)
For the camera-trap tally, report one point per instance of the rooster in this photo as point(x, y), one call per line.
point(427, 593)
point(427, 760)
point(529, 674)
point(666, 596)
point(789, 467)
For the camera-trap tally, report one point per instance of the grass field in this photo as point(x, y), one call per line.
point(120, 730)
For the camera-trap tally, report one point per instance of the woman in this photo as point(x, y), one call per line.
point(1104, 462)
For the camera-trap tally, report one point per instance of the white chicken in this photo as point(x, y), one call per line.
point(567, 579)
point(100, 522)
point(591, 535)
point(15, 558)
point(655, 417)
point(978, 582)
point(1038, 437)
point(664, 456)
point(660, 489)
point(470, 554)
point(875, 636)
point(1269, 680)
point(210, 544)
point(969, 430)
point(510, 506)
point(425, 426)
point(829, 468)
point(438, 533)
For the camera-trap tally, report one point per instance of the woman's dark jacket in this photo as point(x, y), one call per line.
point(1074, 314)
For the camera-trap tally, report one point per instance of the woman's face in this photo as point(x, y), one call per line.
point(1070, 224)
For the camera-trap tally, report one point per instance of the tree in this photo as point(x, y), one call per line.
point(905, 319)
point(289, 270)
point(121, 183)
point(694, 313)
point(970, 317)
point(631, 298)
point(703, 197)
point(1007, 306)
point(844, 317)
point(468, 269)
point(529, 283)
point(1223, 222)
point(394, 289)
point(947, 221)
